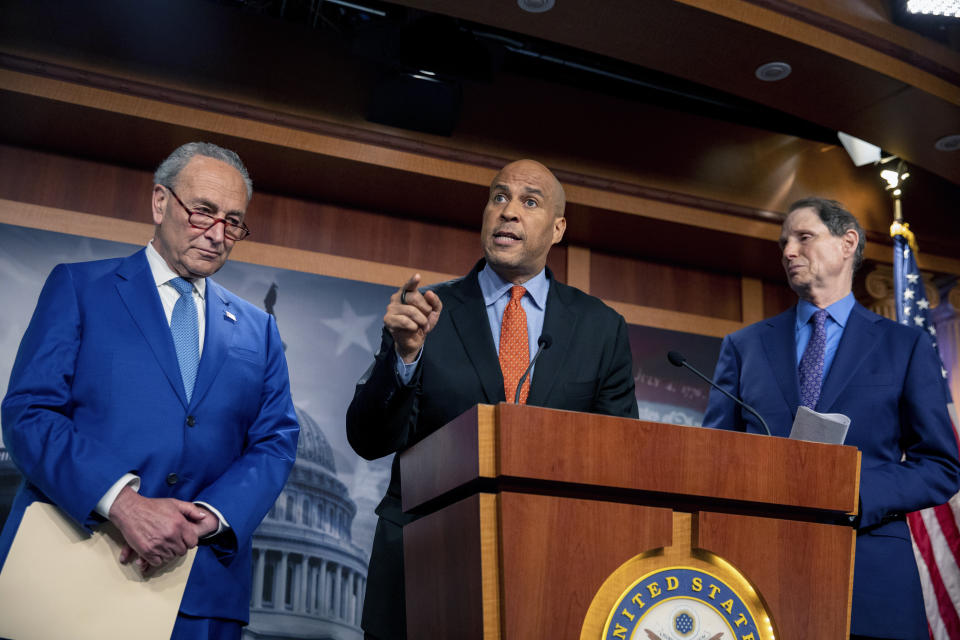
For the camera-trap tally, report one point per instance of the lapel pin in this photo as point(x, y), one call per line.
point(229, 315)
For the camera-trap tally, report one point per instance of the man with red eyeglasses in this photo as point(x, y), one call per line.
point(145, 394)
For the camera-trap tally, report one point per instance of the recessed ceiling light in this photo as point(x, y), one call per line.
point(948, 143)
point(536, 6)
point(773, 71)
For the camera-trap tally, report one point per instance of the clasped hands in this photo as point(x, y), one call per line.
point(158, 530)
point(410, 316)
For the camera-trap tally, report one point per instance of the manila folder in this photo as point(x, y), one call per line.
point(60, 582)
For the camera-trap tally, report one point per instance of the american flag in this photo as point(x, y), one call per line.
point(936, 536)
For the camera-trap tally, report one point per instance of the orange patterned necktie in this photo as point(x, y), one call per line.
point(514, 346)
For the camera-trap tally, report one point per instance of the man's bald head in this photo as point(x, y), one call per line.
point(536, 173)
point(522, 220)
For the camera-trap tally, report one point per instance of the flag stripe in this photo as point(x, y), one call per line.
point(950, 618)
point(943, 556)
point(934, 621)
point(946, 518)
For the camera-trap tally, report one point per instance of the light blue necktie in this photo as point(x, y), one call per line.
point(186, 333)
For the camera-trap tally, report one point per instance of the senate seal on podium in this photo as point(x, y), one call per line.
point(681, 603)
point(678, 593)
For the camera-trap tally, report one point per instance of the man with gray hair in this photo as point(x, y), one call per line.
point(145, 394)
point(832, 355)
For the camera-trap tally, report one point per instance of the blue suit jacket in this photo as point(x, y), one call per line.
point(886, 378)
point(96, 392)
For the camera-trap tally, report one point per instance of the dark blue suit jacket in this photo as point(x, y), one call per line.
point(96, 392)
point(886, 378)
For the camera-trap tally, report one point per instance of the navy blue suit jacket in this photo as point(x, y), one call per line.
point(886, 378)
point(96, 392)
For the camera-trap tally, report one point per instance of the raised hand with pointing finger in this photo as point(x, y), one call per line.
point(410, 316)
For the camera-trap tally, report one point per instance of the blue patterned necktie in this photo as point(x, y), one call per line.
point(811, 364)
point(186, 333)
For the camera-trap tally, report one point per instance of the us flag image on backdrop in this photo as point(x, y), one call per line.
point(936, 536)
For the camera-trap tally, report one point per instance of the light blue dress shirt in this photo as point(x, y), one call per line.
point(496, 295)
point(837, 315)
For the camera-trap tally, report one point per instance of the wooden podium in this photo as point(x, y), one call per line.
point(527, 511)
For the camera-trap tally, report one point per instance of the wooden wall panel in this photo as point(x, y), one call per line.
point(665, 286)
point(300, 224)
point(751, 300)
point(252, 252)
point(697, 297)
point(365, 169)
point(82, 185)
point(75, 184)
point(777, 298)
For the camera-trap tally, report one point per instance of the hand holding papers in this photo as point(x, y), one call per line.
point(58, 582)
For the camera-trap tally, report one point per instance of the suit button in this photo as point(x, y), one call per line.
point(191, 421)
point(172, 479)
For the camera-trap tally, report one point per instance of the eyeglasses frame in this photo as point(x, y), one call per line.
point(226, 225)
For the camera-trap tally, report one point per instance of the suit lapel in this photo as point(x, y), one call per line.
point(469, 319)
point(779, 342)
point(138, 291)
point(560, 322)
point(218, 335)
point(860, 337)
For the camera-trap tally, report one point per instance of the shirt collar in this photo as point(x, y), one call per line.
point(162, 273)
point(493, 286)
point(839, 311)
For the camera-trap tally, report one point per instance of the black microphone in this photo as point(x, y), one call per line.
point(677, 360)
point(543, 344)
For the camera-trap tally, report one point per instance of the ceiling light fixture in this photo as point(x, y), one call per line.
point(894, 179)
point(536, 6)
point(860, 151)
point(935, 7)
point(773, 71)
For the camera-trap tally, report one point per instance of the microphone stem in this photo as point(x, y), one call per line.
point(729, 395)
point(516, 396)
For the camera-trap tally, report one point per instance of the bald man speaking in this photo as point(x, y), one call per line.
point(468, 341)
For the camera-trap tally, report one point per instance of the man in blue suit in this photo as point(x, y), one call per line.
point(145, 394)
point(833, 355)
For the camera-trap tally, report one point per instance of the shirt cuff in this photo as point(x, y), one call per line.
point(222, 522)
point(405, 371)
point(128, 480)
